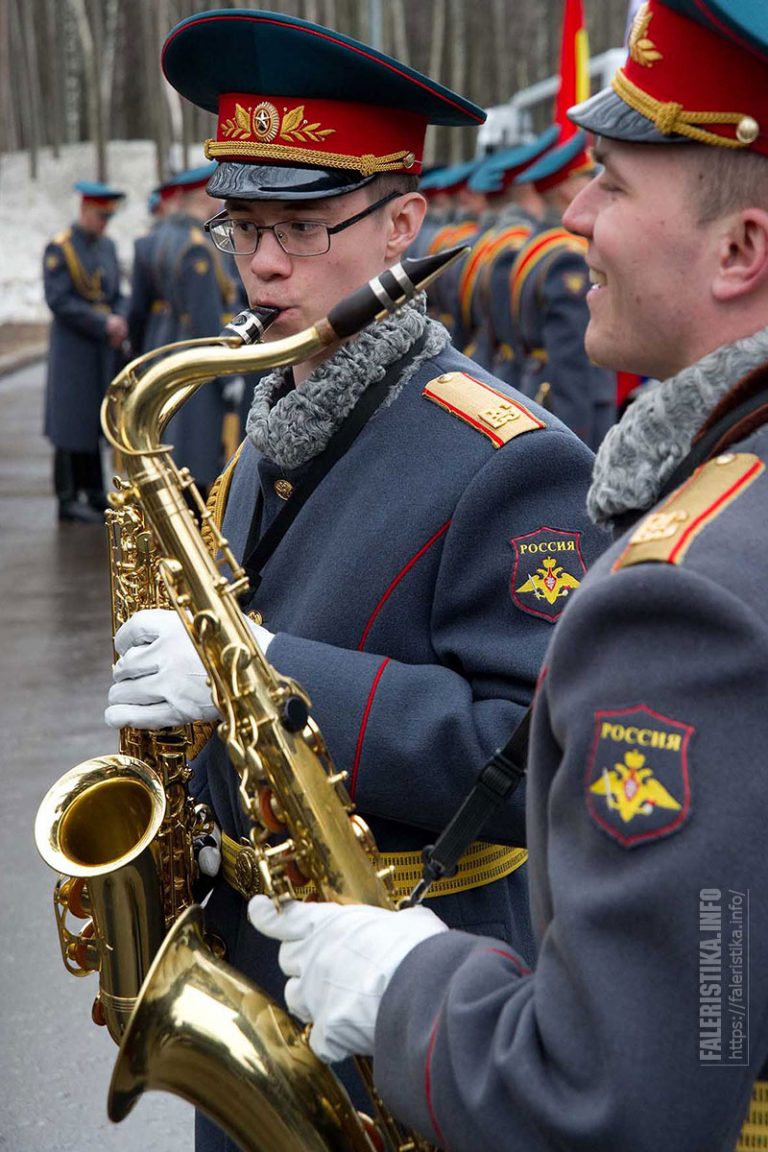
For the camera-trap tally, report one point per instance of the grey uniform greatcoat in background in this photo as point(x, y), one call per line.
point(646, 823)
point(82, 287)
point(148, 308)
point(402, 600)
point(199, 293)
point(549, 284)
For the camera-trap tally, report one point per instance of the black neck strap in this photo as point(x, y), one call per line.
point(259, 550)
point(497, 781)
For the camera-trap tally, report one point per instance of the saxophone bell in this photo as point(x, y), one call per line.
point(96, 826)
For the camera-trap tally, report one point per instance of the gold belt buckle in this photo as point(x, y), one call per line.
point(247, 878)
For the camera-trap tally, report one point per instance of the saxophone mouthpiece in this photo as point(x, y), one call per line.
point(250, 325)
point(389, 291)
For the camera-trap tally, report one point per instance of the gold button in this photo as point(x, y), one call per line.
point(283, 488)
point(256, 617)
point(747, 130)
point(446, 378)
point(726, 458)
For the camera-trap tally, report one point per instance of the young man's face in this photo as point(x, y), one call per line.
point(305, 288)
point(651, 260)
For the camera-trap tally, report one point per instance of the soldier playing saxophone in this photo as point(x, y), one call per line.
point(392, 503)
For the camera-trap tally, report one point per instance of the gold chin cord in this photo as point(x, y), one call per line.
point(199, 1028)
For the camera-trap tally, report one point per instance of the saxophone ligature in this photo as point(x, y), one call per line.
point(120, 829)
point(199, 1028)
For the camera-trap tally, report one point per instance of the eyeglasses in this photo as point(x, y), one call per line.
point(295, 237)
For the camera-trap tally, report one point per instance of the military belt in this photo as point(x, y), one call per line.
point(754, 1133)
point(481, 864)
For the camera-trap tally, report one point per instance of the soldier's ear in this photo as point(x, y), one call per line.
point(405, 217)
point(743, 256)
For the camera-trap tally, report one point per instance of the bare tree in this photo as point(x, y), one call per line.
point(9, 138)
point(435, 69)
point(65, 65)
point(90, 36)
point(458, 40)
point(24, 48)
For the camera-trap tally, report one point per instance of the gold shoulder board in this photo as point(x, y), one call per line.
point(495, 415)
point(666, 534)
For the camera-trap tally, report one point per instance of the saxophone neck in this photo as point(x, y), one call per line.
point(137, 407)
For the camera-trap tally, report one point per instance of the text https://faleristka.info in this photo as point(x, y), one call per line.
point(723, 977)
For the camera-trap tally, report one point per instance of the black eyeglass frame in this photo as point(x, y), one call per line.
point(330, 229)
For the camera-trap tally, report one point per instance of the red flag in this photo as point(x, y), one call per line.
point(574, 66)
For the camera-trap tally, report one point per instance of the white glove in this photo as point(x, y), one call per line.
point(209, 855)
point(159, 680)
point(339, 960)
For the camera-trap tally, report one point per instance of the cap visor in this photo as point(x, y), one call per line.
point(606, 114)
point(233, 181)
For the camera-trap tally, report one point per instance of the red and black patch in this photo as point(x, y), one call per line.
point(637, 783)
point(548, 568)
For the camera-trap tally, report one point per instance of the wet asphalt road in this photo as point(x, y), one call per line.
point(55, 656)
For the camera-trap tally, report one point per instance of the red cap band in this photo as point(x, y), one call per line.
point(364, 138)
point(102, 201)
point(691, 81)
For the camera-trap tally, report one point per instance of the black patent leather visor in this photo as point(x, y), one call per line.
point(235, 181)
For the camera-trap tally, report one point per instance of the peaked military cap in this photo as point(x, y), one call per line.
point(500, 169)
point(697, 72)
point(302, 110)
point(565, 159)
point(192, 178)
point(101, 195)
point(451, 178)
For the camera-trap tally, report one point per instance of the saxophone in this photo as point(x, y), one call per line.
point(199, 1028)
point(120, 828)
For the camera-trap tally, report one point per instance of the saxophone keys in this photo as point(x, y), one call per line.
point(270, 812)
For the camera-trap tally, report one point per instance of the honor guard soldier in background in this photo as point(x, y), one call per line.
point(201, 296)
point(459, 228)
point(517, 209)
point(644, 1022)
point(439, 210)
point(147, 307)
point(411, 583)
point(547, 302)
point(81, 278)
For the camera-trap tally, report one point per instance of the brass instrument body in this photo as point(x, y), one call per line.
point(199, 1028)
point(136, 583)
point(326, 845)
point(208, 1034)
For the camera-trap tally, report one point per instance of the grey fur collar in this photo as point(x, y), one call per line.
point(657, 430)
point(300, 424)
